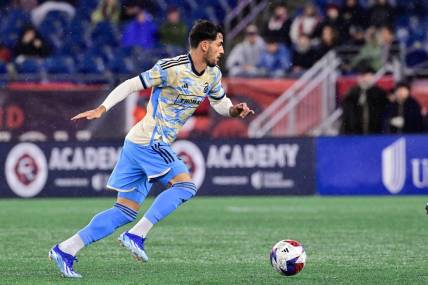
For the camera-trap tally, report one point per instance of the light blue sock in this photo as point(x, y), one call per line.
point(105, 223)
point(169, 200)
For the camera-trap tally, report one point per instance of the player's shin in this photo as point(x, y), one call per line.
point(165, 203)
point(102, 225)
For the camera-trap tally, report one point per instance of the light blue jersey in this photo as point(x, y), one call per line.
point(177, 90)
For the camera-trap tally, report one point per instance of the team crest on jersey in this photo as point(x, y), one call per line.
point(185, 86)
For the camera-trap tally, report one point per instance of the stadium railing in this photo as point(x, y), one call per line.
point(240, 17)
point(330, 126)
point(309, 101)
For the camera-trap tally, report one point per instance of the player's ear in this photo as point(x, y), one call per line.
point(204, 46)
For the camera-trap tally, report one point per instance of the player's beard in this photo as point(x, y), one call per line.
point(211, 64)
point(211, 61)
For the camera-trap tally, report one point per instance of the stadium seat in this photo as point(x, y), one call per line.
point(85, 8)
point(146, 58)
point(79, 46)
point(417, 57)
point(75, 41)
point(104, 52)
point(59, 65)
point(104, 33)
point(11, 25)
point(90, 65)
point(121, 65)
point(3, 68)
point(28, 65)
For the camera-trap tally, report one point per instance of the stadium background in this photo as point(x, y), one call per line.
point(293, 146)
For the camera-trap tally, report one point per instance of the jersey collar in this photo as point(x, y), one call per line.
point(193, 67)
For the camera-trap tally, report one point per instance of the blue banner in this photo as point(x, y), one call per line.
point(56, 169)
point(372, 165)
point(232, 167)
point(283, 166)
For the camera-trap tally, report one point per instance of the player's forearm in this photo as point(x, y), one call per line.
point(122, 91)
point(223, 106)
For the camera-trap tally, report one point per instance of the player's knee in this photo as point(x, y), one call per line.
point(128, 203)
point(129, 214)
point(182, 177)
point(188, 189)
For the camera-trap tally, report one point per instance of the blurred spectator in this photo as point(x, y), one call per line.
point(140, 32)
point(332, 19)
point(354, 19)
point(388, 44)
point(358, 37)
point(107, 10)
point(369, 53)
point(381, 14)
point(173, 32)
point(278, 25)
point(31, 43)
point(304, 24)
point(403, 114)
point(244, 56)
point(131, 8)
point(5, 54)
point(304, 56)
point(364, 106)
point(39, 13)
point(379, 48)
point(329, 39)
point(275, 59)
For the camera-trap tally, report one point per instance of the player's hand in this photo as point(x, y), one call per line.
point(242, 110)
point(91, 114)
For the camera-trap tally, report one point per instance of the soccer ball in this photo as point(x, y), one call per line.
point(288, 257)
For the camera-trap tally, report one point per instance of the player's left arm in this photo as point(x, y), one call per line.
point(223, 105)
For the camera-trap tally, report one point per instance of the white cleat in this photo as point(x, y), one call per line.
point(64, 262)
point(135, 244)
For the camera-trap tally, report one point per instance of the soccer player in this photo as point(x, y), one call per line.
point(178, 85)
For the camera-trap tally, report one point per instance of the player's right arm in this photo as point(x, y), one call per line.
point(118, 94)
point(155, 76)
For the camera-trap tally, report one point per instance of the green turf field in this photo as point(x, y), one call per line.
point(227, 241)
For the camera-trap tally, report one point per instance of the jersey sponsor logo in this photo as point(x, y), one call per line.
point(394, 166)
point(193, 158)
point(187, 100)
point(26, 170)
point(206, 87)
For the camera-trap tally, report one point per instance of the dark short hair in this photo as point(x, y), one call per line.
point(271, 40)
point(365, 67)
point(203, 30)
point(402, 84)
